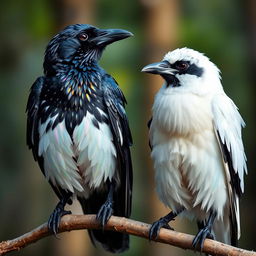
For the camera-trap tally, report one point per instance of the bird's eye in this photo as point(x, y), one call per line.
point(181, 65)
point(83, 37)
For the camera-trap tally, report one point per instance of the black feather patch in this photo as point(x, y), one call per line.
point(149, 124)
point(68, 48)
point(32, 112)
point(236, 190)
point(235, 180)
point(115, 101)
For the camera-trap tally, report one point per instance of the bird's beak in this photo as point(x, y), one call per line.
point(108, 36)
point(159, 68)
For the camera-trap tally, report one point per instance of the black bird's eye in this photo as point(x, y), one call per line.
point(180, 65)
point(83, 37)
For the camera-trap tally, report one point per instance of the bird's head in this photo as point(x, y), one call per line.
point(80, 43)
point(187, 70)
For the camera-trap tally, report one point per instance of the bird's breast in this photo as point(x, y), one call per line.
point(80, 159)
point(187, 159)
point(70, 100)
point(181, 113)
point(189, 171)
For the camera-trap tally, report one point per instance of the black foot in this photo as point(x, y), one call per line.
point(105, 212)
point(204, 232)
point(201, 236)
point(156, 226)
point(54, 220)
point(162, 223)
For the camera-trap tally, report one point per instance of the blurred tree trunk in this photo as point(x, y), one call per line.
point(249, 7)
point(250, 14)
point(69, 12)
point(74, 11)
point(161, 26)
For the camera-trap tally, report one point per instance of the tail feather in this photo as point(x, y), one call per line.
point(111, 241)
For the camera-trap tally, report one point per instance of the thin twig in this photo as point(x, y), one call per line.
point(119, 224)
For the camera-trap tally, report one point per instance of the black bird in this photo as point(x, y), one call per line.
point(78, 130)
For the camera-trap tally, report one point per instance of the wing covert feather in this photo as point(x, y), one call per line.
point(228, 124)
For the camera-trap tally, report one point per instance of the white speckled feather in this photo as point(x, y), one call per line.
point(92, 148)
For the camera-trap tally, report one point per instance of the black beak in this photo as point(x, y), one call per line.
point(108, 36)
point(160, 68)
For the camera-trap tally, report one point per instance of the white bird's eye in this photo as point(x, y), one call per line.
point(181, 65)
point(83, 36)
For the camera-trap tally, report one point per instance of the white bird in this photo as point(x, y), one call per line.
point(197, 148)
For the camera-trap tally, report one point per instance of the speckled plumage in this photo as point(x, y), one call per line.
point(77, 127)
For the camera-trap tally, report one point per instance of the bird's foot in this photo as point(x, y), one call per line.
point(105, 212)
point(201, 236)
point(157, 225)
point(163, 223)
point(54, 220)
point(204, 232)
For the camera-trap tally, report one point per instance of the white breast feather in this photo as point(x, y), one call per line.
point(92, 147)
point(96, 151)
point(181, 113)
point(186, 153)
point(56, 148)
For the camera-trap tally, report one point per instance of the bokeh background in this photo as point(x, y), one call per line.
point(224, 30)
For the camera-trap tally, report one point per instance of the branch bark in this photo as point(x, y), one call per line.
point(120, 224)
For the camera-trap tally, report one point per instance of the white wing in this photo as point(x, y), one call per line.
point(228, 124)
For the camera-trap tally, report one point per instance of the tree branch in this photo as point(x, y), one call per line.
point(120, 224)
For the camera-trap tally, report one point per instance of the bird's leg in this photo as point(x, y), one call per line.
point(162, 223)
point(204, 232)
point(106, 210)
point(58, 212)
point(200, 224)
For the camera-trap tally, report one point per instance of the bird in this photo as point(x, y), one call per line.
point(197, 148)
point(78, 130)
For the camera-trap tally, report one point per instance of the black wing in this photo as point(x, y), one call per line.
point(32, 115)
point(149, 124)
point(33, 118)
point(115, 101)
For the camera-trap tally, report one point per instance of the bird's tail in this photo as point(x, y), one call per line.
point(111, 241)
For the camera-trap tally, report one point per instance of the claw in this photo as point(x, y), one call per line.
point(201, 236)
point(54, 220)
point(204, 232)
point(106, 210)
point(156, 226)
point(162, 223)
point(58, 212)
point(105, 213)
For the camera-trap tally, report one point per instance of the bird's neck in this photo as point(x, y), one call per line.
point(77, 84)
point(76, 74)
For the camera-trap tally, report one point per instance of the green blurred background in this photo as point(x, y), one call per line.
point(224, 30)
